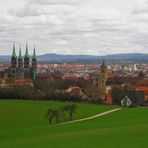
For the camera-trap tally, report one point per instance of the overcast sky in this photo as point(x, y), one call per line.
point(92, 27)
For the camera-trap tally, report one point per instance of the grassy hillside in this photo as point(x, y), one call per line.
point(123, 129)
point(23, 114)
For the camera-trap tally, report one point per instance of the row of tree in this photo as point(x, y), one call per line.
point(61, 114)
point(28, 93)
point(44, 89)
point(47, 85)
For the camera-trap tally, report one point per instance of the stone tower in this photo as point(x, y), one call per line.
point(20, 59)
point(34, 64)
point(34, 60)
point(26, 58)
point(102, 82)
point(13, 58)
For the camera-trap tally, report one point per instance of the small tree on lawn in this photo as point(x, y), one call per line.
point(49, 115)
point(63, 110)
point(57, 113)
point(71, 109)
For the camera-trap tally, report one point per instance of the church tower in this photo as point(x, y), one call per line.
point(34, 64)
point(102, 82)
point(20, 59)
point(26, 58)
point(34, 60)
point(13, 58)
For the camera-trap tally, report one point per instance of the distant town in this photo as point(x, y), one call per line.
point(24, 70)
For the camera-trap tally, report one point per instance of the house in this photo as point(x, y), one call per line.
point(137, 97)
point(142, 85)
point(24, 82)
point(77, 92)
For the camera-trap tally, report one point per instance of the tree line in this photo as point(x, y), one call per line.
point(50, 89)
point(44, 89)
point(28, 93)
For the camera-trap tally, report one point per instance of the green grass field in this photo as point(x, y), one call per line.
point(22, 126)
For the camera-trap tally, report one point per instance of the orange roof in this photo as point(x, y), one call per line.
point(143, 82)
point(24, 81)
point(111, 74)
point(1, 79)
point(70, 77)
point(143, 88)
point(43, 76)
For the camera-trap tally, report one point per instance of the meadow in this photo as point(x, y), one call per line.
point(22, 125)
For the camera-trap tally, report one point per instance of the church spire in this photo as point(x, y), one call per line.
point(34, 64)
point(103, 64)
point(20, 60)
point(14, 53)
point(26, 58)
point(13, 58)
point(34, 53)
point(20, 52)
point(27, 54)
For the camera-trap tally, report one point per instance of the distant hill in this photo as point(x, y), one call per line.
point(55, 57)
point(59, 58)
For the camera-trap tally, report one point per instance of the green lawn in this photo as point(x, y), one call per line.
point(22, 126)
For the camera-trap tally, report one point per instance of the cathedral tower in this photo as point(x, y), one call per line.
point(13, 58)
point(34, 64)
point(20, 59)
point(34, 60)
point(26, 58)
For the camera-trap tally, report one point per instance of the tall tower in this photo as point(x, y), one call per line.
point(34, 64)
point(20, 59)
point(13, 58)
point(34, 60)
point(26, 58)
point(102, 82)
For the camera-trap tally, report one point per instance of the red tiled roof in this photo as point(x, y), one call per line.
point(142, 88)
point(142, 83)
point(43, 76)
point(24, 81)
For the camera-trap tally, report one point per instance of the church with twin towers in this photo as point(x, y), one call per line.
point(23, 67)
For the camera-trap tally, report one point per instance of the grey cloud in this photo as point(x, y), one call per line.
point(67, 26)
point(37, 10)
point(56, 2)
point(141, 7)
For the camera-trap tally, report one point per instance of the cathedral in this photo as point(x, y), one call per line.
point(22, 67)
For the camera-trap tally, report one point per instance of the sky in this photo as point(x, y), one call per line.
point(87, 27)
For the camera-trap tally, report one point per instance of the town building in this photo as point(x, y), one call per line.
point(102, 81)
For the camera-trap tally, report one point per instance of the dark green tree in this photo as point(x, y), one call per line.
point(49, 115)
point(71, 109)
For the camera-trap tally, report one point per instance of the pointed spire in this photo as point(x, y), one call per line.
point(27, 54)
point(13, 53)
point(34, 53)
point(20, 52)
point(103, 64)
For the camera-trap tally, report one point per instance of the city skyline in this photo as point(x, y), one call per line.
point(90, 27)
